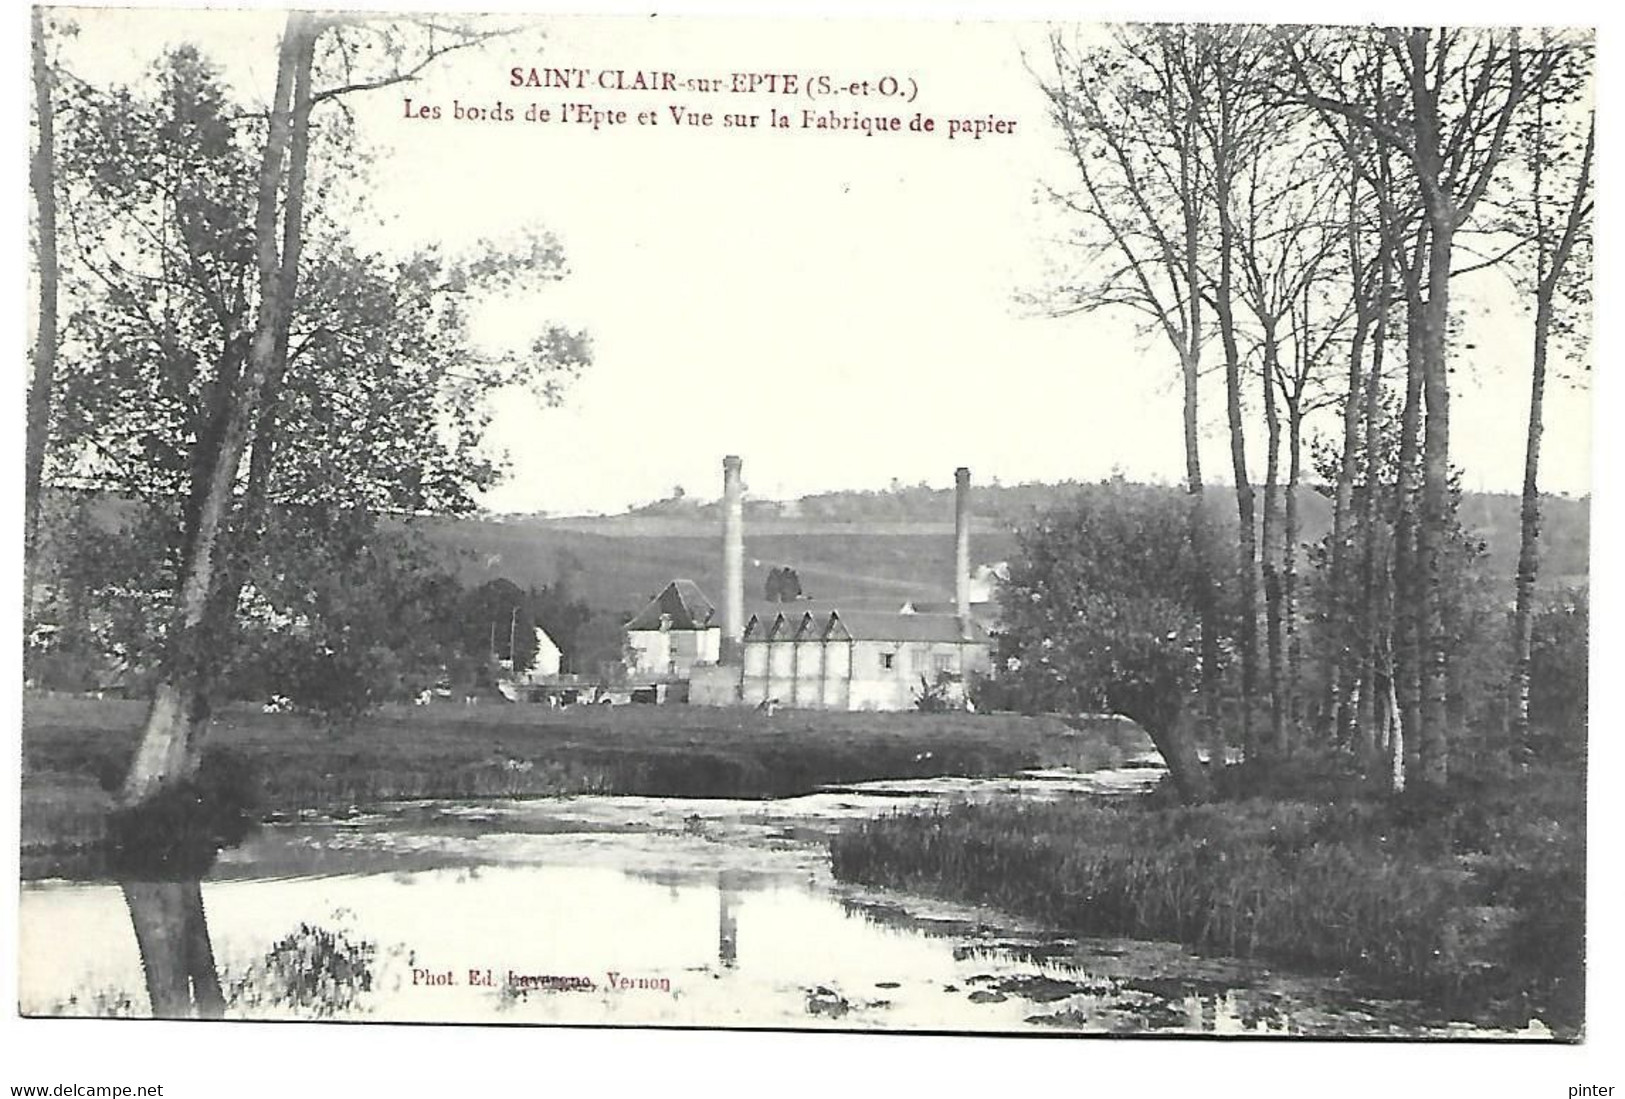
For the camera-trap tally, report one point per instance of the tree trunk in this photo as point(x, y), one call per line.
point(1376, 644)
point(1433, 748)
point(1275, 637)
point(252, 511)
point(1190, 356)
point(1342, 626)
point(1548, 276)
point(43, 181)
point(1246, 519)
point(169, 742)
point(1529, 532)
point(1289, 576)
point(1407, 641)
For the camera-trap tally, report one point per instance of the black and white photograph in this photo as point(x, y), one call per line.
point(1048, 528)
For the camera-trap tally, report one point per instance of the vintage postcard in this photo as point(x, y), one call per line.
point(973, 527)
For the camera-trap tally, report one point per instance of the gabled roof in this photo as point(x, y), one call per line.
point(683, 601)
point(787, 625)
point(790, 624)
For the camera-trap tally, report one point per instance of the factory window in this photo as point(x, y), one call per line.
point(887, 661)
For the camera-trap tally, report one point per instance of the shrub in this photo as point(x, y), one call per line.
point(177, 832)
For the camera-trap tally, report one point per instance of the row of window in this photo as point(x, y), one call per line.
point(938, 663)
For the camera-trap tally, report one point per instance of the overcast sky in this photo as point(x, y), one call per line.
point(840, 310)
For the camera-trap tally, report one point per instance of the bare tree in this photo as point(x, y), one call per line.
point(1131, 127)
point(1555, 234)
point(1462, 88)
point(43, 181)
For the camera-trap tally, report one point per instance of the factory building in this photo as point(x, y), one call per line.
point(822, 656)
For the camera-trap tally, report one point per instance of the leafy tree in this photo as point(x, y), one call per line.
point(1554, 211)
point(562, 615)
point(1103, 610)
point(1461, 90)
point(600, 644)
point(374, 620)
point(783, 585)
point(233, 360)
point(499, 621)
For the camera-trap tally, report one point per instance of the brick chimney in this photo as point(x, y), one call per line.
point(962, 547)
point(733, 558)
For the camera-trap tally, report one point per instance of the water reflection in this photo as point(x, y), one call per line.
point(727, 920)
point(642, 912)
point(313, 972)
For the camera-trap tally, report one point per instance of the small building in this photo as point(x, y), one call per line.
point(673, 633)
point(549, 658)
point(546, 665)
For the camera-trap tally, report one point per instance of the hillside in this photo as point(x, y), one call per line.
point(877, 547)
point(618, 564)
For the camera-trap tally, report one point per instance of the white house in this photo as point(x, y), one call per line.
point(676, 631)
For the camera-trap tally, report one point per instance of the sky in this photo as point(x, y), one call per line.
point(838, 309)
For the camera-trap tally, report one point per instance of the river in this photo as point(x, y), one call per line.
point(642, 912)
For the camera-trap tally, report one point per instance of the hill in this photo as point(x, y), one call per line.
point(878, 548)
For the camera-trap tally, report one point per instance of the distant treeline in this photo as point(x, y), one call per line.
point(1491, 516)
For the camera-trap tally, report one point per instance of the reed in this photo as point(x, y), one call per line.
point(1477, 904)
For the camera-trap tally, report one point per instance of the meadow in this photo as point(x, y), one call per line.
point(76, 751)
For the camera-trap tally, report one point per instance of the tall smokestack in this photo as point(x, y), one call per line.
point(962, 546)
point(733, 557)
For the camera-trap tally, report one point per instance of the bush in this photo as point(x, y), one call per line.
point(177, 832)
point(1559, 660)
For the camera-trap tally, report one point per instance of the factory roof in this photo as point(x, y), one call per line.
point(795, 622)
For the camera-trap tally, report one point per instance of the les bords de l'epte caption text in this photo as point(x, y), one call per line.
point(609, 99)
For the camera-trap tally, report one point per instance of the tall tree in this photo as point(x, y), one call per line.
point(1462, 89)
point(43, 181)
point(238, 365)
point(1297, 311)
point(1555, 182)
point(1131, 129)
point(1234, 122)
point(171, 739)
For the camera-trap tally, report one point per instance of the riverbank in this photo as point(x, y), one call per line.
point(1476, 902)
point(76, 750)
point(709, 903)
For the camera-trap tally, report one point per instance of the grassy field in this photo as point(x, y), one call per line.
point(1476, 901)
point(625, 561)
point(845, 555)
point(74, 750)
